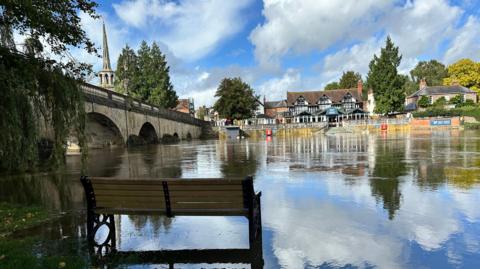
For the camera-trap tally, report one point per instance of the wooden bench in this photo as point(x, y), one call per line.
point(170, 197)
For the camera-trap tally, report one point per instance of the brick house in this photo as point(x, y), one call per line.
point(185, 106)
point(276, 109)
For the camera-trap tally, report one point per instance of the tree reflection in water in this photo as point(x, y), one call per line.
point(389, 166)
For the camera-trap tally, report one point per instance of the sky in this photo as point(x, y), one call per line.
point(282, 45)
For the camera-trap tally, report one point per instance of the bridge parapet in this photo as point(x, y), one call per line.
point(106, 97)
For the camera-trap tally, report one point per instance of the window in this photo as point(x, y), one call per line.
point(430, 99)
point(324, 102)
point(348, 101)
point(301, 101)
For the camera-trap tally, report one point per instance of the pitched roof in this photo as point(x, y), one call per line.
point(276, 104)
point(183, 104)
point(312, 97)
point(440, 90)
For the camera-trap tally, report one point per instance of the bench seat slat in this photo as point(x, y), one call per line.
point(176, 193)
point(159, 187)
point(176, 199)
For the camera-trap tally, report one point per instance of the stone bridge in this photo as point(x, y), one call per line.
point(114, 119)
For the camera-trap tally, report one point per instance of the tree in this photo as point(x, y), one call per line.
point(409, 87)
point(349, 80)
point(432, 71)
point(162, 93)
point(145, 75)
point(202, 112)
point(464, 72)
point(332, 86)
point(457, 100)
point(36, 86)
point(384, 80)
point(126, 70)
point(440, 102)
point(236, 99)
point(424, 102)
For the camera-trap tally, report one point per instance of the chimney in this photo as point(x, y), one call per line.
point(360, 88)
point(455, 83)
point(423, 84)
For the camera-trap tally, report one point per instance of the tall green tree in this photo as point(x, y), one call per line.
point(162, 93)
point(236, 99)
point(145, 75)
point(410, 86)
point(464, 72)
point(127, 69)
point(349, 80)
point(36, 86)
point(384, 80)
point(432, 71)
point(332, 86)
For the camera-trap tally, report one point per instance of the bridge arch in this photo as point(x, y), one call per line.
point(101, 131)
point(148, 133)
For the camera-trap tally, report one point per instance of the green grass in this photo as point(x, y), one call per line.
point(20, 253)
point(17, 217)
point(23, 252)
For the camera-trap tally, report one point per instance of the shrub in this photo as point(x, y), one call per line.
point(424, 102)
point(471, 111)
point(440, 102)
point(457, 100)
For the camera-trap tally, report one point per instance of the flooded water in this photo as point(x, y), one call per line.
point(346, 201)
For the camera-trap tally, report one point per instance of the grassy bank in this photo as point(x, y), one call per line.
point(17, 217)
point(23, 252)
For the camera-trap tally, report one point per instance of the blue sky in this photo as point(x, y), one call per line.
point(283, 45)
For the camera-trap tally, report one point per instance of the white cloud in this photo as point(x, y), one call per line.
point(354, 58)
point(466, 43)
point(195, 28)
point(413, 28)
point(202, 84)
point(276, 88)
point(302, 26)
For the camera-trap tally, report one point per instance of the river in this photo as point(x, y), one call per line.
point(404, 200)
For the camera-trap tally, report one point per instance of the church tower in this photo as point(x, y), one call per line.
point(106, 75)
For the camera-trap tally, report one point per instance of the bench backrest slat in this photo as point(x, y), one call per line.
point(183, 194)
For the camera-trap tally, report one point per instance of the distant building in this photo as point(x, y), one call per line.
point(331, 105)
point(276, 110)
point(433, 93)
point(260, 109)
point(185, 106)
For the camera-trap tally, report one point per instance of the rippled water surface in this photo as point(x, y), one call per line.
point(387, 201)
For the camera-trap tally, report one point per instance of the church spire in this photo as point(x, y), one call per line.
point(106, 75)
point(106, 56)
